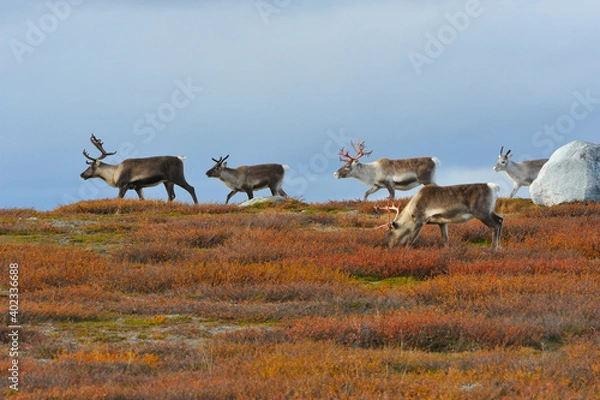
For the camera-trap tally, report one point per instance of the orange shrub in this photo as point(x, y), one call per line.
point(383, 263)
point(423, 330)
point(43, 266)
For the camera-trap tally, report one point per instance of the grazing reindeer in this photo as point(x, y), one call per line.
point(393, 175)
point(521, 173)
point(247, 179)
point(443, 205)
point(138, 173)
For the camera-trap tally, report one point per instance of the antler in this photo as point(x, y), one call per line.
point(502, 149)
point(221, 159)
point(360, 151)
point(85, 153)
point(99, 145)
point(388, 208)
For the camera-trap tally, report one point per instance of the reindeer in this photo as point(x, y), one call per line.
point(521, 173)
point(443, 205)
point(249, 178)
point(137, 173)
point(393, 175)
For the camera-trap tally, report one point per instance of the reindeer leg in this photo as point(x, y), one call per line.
point(282, 193)
point(497, 231)
point(192, 191)
point(276, 190)
point(373, 189)
point(122, 191)
point(444, 230)
point(170, 190)
point(183, 183)
point(514, 191)
point(495, 222)
point(138, 190)
point(230, 195)
point(415, 234)
point(392, 191)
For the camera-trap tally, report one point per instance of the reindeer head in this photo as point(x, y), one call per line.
point(94, 163)
point(215, 171)
point(503, 160)
point(351, 162)
point(399, 228)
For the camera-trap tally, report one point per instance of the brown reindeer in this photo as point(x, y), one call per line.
point(443, 205)
point(402, 174)
point(247, 179)
point(138, 173)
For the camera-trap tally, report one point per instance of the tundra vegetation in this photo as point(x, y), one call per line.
point(155, 300)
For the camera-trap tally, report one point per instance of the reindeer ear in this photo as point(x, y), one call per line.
point(224, 164)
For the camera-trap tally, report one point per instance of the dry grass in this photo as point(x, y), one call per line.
point(144, 300)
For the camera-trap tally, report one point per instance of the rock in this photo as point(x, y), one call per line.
point(571, 174)
point(258, 200)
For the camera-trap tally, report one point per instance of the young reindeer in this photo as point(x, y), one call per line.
point(521, 173)
point(443, 205)
point(247, 179)
point(403, 174)
point(138, 173)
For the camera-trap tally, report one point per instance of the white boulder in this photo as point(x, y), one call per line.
point(571, 174)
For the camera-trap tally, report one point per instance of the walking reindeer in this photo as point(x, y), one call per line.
point(402, 174)
point(521, 173)
point(247, 179)
point(137, 173)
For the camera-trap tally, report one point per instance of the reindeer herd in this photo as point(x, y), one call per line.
point(432, 204)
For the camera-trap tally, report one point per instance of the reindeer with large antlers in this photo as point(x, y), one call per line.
point(137, 173)
point(443, 205)
point(521, 173)
point(403, 174)
point(247, 179)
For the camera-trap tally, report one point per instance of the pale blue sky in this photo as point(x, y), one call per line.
point(288, 81)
